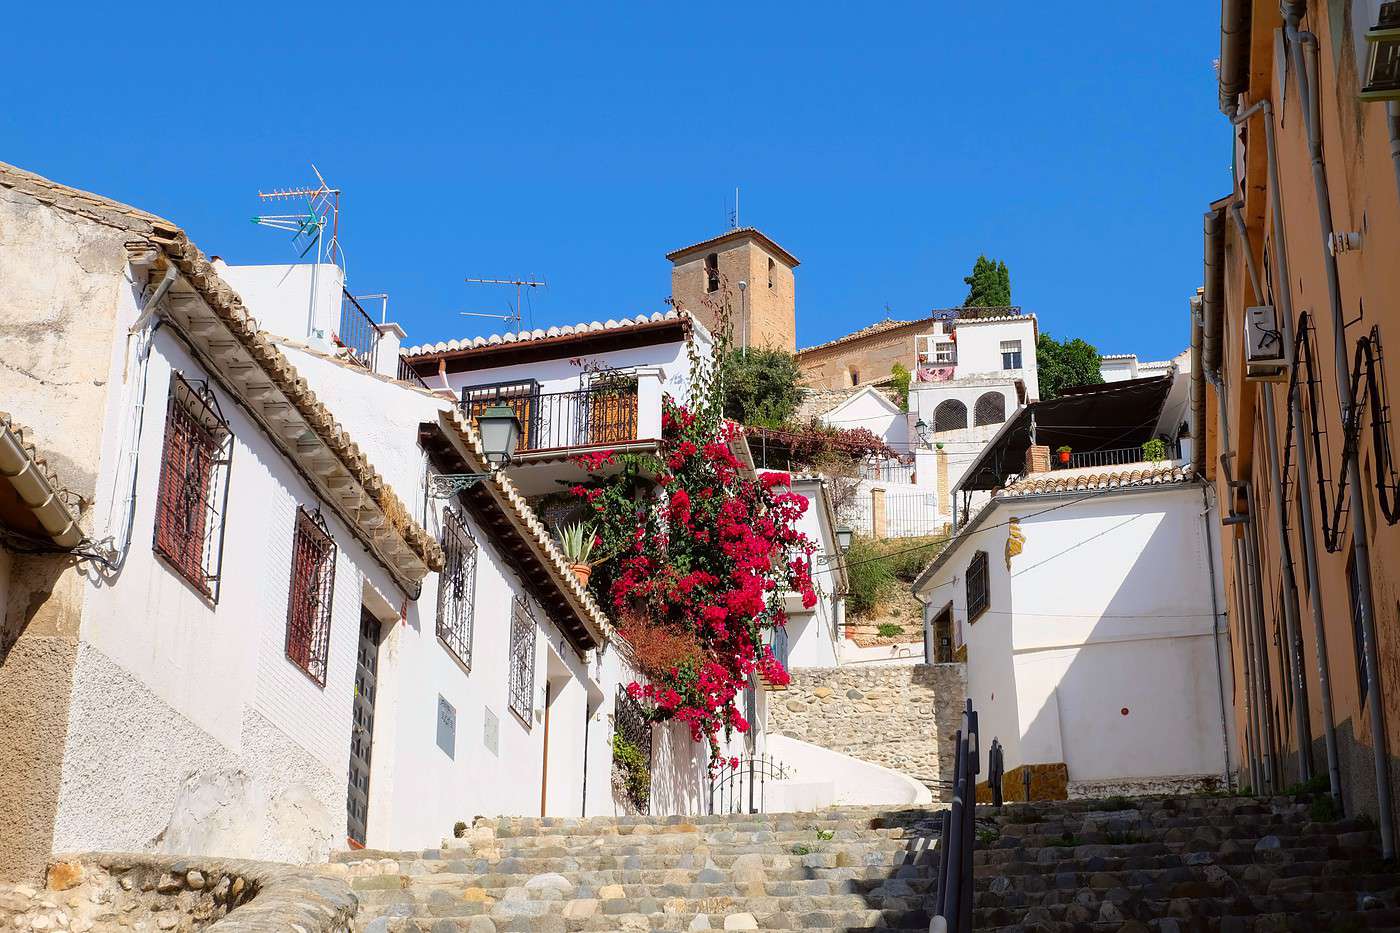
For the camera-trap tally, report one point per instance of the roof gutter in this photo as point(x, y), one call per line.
point(1234, 52)
point(35, 489)
point(1213, 293)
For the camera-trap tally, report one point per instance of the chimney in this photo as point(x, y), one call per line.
point(386, 357)
point(1037, 459)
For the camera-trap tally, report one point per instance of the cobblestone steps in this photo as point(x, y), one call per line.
point(1160, 865)
point(1180, 865)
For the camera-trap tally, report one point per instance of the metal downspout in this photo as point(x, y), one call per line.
point(1292, 627)
point(1261, 639)
point(1252, 745)
point(1392, 119)
point(1215, 619)
point(1365, 606)
point(1198, 392)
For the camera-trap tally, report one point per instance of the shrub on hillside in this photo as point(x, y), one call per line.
point(879, 570)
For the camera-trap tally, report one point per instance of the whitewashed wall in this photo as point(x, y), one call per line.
point(1107, 608)
point(189, 728)
point(979, 350)
point(813, 635)
point(871, 410)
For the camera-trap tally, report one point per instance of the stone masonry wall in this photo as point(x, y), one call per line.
point(898, 716)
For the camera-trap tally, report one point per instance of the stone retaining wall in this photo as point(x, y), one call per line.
point(107, 891)
point(899, 716)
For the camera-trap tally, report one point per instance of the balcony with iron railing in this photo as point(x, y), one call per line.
point(1110, 456)
point(358, 334)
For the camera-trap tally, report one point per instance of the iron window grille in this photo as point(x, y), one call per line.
point(633, 728)
point(1011, 354)
point(457, 587)
point(990, 408)
point(309, 602)
point(950, 415)
point(522, 662)
point(193, 493)
point(979, 595)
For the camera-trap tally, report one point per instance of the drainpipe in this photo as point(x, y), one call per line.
point(1261, 636)
point(1215, 614)
point(1292, 627)
point(145, 326)
point(1252, 745)
point(1198, 395)
point(1248, 575)
point(1307, 75)
point(1301, 454)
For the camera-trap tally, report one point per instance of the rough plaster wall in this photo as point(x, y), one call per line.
point(142, 777)
point(60, 281)
point(38, 646)
point(901, 717)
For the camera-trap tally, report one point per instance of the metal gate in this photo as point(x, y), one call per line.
point(362, 730)
point(743, 789)
point(633, 728)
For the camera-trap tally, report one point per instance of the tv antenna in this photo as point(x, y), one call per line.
point(520, 285)
point(308, 228)
point(383, 298)
point(734, 214)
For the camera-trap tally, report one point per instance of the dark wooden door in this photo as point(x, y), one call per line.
point(362, 731)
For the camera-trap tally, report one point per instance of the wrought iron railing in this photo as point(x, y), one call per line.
point(953, 903)
point(1113, 456)
point(357, 334)
point(408, 374)
point(632, 729)
point(595, 416)
point(887, 469)
point(744, 789)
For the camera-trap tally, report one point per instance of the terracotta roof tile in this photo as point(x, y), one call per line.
point(587, 327)
point(1088, 479)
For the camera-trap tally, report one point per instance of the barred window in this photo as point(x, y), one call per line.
point(979, 595)
point(189, 520)
point(457, 587)
point(950, 415)
point(309, 602)
point(990, 409)
point(522, 661)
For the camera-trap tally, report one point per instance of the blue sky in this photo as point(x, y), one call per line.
point(884, 145)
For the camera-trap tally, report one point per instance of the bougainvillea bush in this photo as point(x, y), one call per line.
point(697, 555)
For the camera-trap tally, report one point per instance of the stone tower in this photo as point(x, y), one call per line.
point(764, 312)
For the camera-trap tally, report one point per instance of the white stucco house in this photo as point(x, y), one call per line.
point(1085, 600)
point(814, 635)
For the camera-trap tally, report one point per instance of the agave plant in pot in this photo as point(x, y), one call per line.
point(576, 541)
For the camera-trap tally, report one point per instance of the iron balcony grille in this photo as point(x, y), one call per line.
point(457, 587)
point(979, 595)
point(358, 335)
point(522, 662)
point(193, 489)
point(309, 602)
point(596, 416)
point(408, 374)
point(1114, 456)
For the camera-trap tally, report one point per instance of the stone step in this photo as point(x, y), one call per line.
point(591, 917)
point(721, 860)
point(613, 885)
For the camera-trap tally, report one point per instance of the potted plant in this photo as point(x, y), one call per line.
point(1063, 453)
point(1154, 451)
point(576, 541)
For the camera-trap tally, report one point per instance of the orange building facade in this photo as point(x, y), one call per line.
point(1300, 305)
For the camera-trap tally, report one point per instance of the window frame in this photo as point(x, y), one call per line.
point(950, 404)
point(978, 569)
point(980, 412)
point(456, 608)
point(311, 595)
point(520, 664)
point(711, 272)
point(1016, 351)
point(193, 548)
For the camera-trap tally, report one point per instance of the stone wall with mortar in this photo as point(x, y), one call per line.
point(899, 716)
point(105, 891)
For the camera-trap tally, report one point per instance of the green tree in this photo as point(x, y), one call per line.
point(901, 384)
point(761, 387)
point(1063, 364)
point(989, 285)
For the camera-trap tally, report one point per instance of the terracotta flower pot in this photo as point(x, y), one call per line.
point(1064, 456)
point(583, 572)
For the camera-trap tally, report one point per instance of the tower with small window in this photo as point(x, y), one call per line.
point(749, 272)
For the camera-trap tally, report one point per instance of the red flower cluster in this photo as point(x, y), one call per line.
point(709, 557)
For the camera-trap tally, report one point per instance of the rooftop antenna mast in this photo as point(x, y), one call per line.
point(520, 285)
point(308, 228)
point(734, 214)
